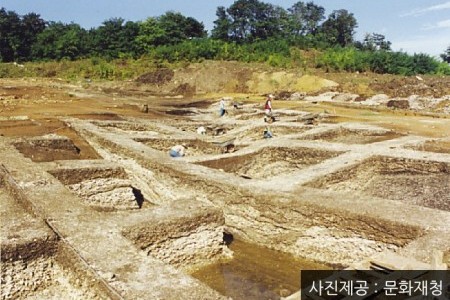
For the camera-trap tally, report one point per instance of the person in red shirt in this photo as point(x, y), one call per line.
point(268, 106)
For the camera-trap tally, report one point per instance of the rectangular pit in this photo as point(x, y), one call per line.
point(253, 115)
point(270, 161)
point(256, 133)
point(353, 136)
point(29, 258)
point(193, 147)
point(258, 114)
point(435, 146)
point(256, 273)
point(102, 188)
point(336, 240)
point(210, 129)
point(18, 127)
point(125, 126)
point(418, 182)
point(98, 116)
point(181, 112)
point(55, 147)
point(185, 234)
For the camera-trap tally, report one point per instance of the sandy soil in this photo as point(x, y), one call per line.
point(243, 186)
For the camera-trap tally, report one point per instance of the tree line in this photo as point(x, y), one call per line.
point(247, 30)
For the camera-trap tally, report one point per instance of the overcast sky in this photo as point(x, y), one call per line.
point(411, 25)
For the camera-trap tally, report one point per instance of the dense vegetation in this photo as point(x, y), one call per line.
point(248, 30)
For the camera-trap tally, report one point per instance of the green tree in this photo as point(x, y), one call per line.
point(115, 38)
point(243, 15)
point(339, 28)
point(17, 34)
point(424, 64)
point(10, 29)
point(446, 55)
point(150, 35)
point(178, 28)
point(306, 18)
point(374, 42)
point(271, 22)
point(194, 28)
point(250, 20)
point(168, 29)
point(31, 26)
point(222, 25)
point(45, 46)
point(59, 40)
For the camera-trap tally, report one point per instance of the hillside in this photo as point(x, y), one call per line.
point(236, 77)
point(213, 77)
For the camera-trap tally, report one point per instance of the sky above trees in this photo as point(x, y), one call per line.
point(411, 25)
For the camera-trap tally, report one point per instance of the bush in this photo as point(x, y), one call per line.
point(443, 69)
point(274, 52)
point(344, 59)
point(351, 59)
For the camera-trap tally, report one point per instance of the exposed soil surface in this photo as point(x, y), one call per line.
point(269, 162)
point(410, 181)
point(250, 274)
point(351, 136)
point(54, 147)
point(123, 221)
point(160, 76)
point(257, 133)
point(193, 147)
point(433, 146)
point(105, 188)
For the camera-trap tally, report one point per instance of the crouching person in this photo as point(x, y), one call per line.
point(178, 150)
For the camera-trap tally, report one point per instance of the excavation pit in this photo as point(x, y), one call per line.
point(193, 147)
point(98, 116)
point(210, 129)
point(137, 129)
point(260, 115)
point(185, 234)
point(197, 104)
point(181, 112)
point(256, 272)
point(256, 133)
point(17, 127)
point(353, 136)
point(417, 182)
point(253, 115)
point(435, 146)
point(105, 189)
point(125, 126)
point(30, 256)
point(270, 161)
point(54, 147)
point(333, 119)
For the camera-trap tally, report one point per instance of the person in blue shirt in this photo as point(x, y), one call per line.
point(267, 133)
point(178, 151)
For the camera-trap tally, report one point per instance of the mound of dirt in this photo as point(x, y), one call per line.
point(158, 77)
point(268, 82)
point(413, 85)
point(184, 89)
point(293, 84)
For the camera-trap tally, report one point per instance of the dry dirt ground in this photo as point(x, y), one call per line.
point(93, 207)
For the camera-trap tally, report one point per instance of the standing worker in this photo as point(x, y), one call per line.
point(268, 106)
point(222, 110)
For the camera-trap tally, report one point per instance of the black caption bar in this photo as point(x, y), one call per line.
point(371, 284)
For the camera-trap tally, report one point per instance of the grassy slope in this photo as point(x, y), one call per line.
point(211, 77)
